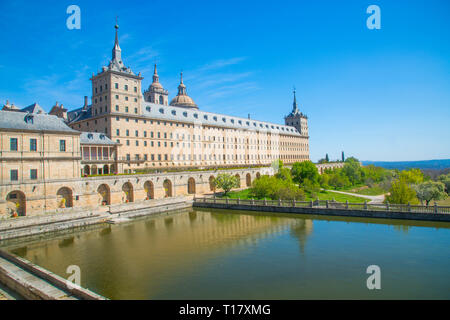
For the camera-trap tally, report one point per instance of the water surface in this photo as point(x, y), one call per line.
point(219, 254)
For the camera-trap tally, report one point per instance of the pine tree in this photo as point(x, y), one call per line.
point(327, 158)
point(343, 157)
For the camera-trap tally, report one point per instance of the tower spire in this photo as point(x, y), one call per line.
point(155, 75)
point(117, 52)
point(295, 107)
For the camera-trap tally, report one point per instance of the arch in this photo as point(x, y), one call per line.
point(112, 169)
point(17, 203)
point(149, 189)
point(87, 170)
point(161, 100)
point(105, 169)
point(64, 197)
point(191, 186)
point(127, 189)
point(258, 175)
point(248, 180)
point(212, 186)
point(94, 170)
point(167, 188)
point(239, 179)
point(105, 194)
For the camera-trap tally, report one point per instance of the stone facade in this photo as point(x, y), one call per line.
point(91, 193)
point(155, 135)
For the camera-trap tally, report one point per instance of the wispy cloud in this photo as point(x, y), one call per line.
point(217, 64)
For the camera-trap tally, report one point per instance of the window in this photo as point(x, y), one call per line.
point(33, 145)
point(135, 110)
point(33, 174)
point(117, 132)
point(117, 108)
point(13, 144)
point(126, 87)
point(126, 109)
point(135, 89)
point(14, 174)
point(62, 145)
point(117, 86)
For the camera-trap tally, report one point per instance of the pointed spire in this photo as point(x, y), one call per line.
point(295, 107)
point(155, 75)
point(181, 87)
point(117, 52)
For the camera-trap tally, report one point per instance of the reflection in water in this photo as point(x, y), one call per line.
point(212, 254)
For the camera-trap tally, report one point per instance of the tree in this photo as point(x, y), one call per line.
point(226, 182)
point(352, 170)
point(412, 176)
point(284, 174)
point(343, 157)
point(304, 170)
point(401, 193)
point(430, 190)
point(277, 165)
point(327, 159)
point(445, 179)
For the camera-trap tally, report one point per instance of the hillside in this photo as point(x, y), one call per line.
point(402, 165)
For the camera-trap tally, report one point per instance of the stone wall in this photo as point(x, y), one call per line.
point(65, 196)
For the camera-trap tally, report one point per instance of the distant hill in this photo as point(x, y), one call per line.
point(402, 165)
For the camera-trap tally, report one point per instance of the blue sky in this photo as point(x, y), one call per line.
point(376, 94)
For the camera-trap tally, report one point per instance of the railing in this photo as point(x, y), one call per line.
point(326, 204)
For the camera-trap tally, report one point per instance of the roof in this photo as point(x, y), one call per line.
point(80, 114)
point(33, 122)
point(180, 114)
point(34, 108)
point(96, 138)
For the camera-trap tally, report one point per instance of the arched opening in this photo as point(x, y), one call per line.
point(94, 170)
point(239, 180)
point(105, 169)
point(87, 170)
point(248, 180)
point(105, 194)
point(161, 100)
point(112, 169)
point(150, 190)
point(16, 203)
point(127, 189)
point(212, 186)
point(258, 175)
point(167, 185)
point(191, 186)
point(64, 198)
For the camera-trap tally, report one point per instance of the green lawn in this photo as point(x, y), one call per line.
point(445, 202)
point(323, 195)
point(362, 189)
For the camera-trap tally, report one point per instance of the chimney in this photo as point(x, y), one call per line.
point(249, 116)
point(86, 101)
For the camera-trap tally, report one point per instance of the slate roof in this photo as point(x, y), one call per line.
point(34, 108)
point(96, 138)
point(33, 122)
point(171, 113)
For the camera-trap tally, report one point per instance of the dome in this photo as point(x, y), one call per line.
point(183, 101)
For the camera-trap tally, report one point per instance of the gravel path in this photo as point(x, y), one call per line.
point(373, 199)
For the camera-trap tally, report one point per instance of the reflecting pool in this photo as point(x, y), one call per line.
point(219, 254)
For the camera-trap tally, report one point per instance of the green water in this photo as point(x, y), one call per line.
point(217, 254)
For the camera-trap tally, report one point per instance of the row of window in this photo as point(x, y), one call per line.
point(14, 174)
point(116, 85)
point(14, 144)
point(183, 157)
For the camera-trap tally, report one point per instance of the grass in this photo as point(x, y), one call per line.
point(323, 195)
point(364, 190)
point(445, 202)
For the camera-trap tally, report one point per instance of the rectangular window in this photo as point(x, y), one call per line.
point(13, 144)
point(128, 157)
point(14, 174)
point(117, 108)
point(33, 174)
point(33, 144)
point(117, 132)
point(62, 145)
point(126, 87)
point(117, 86)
